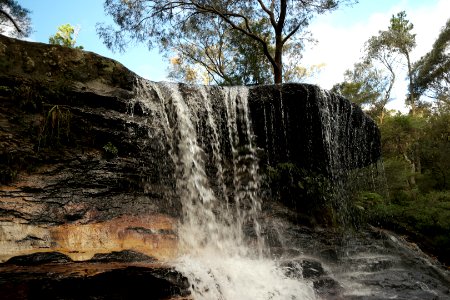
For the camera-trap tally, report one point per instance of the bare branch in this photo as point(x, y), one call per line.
point(11, 19)
point(269, 12)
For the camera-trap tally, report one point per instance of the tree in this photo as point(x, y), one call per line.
point(388, 45)
point(400, 136)
point(432, 71)
point(65, 36)
point(14, 15)
point(401, 39)
point(219, 54)
point(368, 87)
point(158, 21)
point(216, 54)
point(434, 150)
point(377, 52)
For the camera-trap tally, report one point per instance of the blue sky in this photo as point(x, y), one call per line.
point(340, 34)
point(48, 15)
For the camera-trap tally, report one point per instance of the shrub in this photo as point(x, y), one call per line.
point(110, 151)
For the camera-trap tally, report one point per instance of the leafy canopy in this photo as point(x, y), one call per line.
point(65, 36)
point(166, 22)
point(433, 69)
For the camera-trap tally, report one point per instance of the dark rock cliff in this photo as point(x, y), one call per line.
point(312, 128)
point(64, 115)
point(87, 182)
point(74, 150)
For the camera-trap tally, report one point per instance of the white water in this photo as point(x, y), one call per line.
point(207, 133)
point(218, 259)
point(214, 275)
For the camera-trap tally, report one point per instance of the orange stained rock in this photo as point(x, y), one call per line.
point(153, 235)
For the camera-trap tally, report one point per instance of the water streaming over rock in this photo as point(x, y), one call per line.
point(212, 145)
point(142, 156)
point(228, 247)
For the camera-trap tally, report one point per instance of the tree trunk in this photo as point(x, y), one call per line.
point(411, 95)
point(381, 117)
point(278, 67)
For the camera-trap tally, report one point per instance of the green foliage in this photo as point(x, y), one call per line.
point(110, 151)
point(13, 15)
point(367, 86)
point(400, 134)
point(433, 69)
point(434, 152)
point(225, 57)
point(397, 171)
point(218, 55)
point(415, 147)
point(427, 219)
point(366, 199)
point(197, 28)
point(65, 36)
point(399, 37)
point(4, 89)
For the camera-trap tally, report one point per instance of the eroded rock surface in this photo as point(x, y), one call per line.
point(78, 174)
point(116, 275)
point(88, 204)
point(369, 264)
point(84, 161)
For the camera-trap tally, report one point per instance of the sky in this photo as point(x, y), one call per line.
point(340, 34)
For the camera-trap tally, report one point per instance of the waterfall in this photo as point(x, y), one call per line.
point(210, 140)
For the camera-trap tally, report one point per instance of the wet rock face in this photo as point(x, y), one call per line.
point(312, 140)
point(85, 167)
point(118, 275)
point(70, 153)
point(312, 128)
point(369, 264)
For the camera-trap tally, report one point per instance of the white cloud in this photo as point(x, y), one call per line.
point(340, 47)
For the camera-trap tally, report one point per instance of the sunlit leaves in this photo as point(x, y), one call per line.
point(65, 36)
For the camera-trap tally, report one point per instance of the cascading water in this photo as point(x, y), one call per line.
point(190, 153)
point(208, 134)
point(221, 250)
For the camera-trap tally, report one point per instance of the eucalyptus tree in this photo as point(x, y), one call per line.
point(157, 22)
point(219, 54)
point(378, 53)
point(216, 54)
point(367, 86)
point(432, 71)
point(14, 19)
point(390, 45)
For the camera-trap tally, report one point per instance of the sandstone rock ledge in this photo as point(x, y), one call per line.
point(77, 174)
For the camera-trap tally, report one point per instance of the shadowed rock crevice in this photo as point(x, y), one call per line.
point(52, 275)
